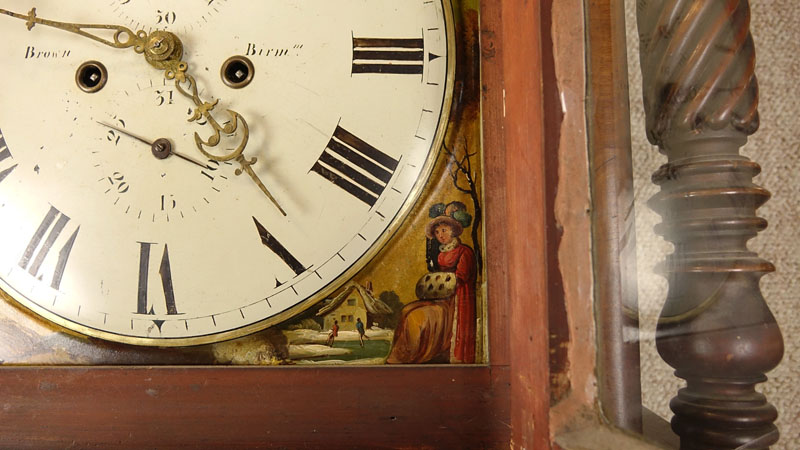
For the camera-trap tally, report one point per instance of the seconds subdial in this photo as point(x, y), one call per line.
point(153, 173)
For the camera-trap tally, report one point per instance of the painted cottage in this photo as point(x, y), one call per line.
point(354, 302)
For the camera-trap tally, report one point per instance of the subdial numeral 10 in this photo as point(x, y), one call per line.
point(211, 167)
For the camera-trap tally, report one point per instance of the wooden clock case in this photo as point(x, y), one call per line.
point(539, 289)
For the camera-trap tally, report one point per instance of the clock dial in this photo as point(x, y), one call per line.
point(344, 113)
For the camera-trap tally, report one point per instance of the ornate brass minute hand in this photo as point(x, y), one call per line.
point(164, 50)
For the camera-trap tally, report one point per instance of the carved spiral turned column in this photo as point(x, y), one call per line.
point(701, 98)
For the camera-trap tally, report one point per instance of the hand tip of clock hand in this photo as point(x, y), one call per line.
point(272, 199)
point(275, 202)
point(248, 169)
point(277, 205)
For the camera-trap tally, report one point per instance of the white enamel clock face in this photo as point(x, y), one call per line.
point(346, 112)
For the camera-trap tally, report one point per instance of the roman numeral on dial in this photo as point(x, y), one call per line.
point(388, 56)
point(271, 243)
point(164, 271)
point(39, 246)
point(356, 166)
point(5, 154)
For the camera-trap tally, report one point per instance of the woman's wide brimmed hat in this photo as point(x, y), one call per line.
point(447, 220)
point(453, 214)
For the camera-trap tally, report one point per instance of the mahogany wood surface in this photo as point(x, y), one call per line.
point(346, 407)
point(525, 228)
point(389, 407)
point(496, 198)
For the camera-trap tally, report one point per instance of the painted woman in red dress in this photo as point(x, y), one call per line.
point(442, 330)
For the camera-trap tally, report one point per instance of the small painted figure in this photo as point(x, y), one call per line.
point(442, 329)
point(333, 334)
point(362, 333)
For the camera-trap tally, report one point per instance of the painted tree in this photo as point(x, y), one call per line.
point(464, 176)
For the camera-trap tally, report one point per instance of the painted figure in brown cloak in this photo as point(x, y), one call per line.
point(441, 326)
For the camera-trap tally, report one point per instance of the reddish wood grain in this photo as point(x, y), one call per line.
point(525, 226)
point(254, 408)
point(494, 177)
